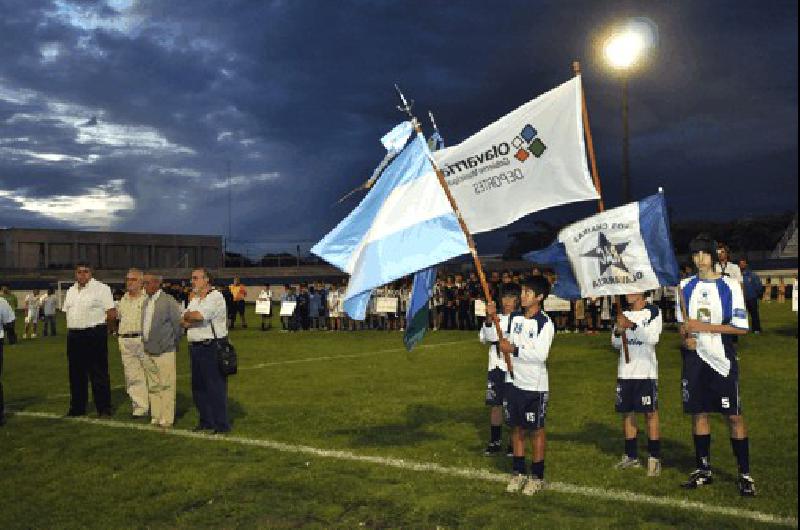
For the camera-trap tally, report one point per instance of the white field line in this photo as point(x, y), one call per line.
point(462, 472)
point(306, 360)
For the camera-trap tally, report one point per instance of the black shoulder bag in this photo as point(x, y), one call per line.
point(226, 354)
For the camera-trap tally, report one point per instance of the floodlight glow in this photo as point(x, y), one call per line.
point(625, 47)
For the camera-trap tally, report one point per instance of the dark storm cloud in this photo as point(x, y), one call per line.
point(294, 95)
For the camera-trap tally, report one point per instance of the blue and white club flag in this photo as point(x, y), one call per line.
point(623, 250)
point(404, 224)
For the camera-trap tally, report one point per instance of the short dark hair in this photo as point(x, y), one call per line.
point(703, 242)
point(539, 285)
point(511, 291)
point(206, 272)
point(83, 265)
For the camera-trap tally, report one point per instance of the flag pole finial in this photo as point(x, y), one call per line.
point(433, 121)
point(406, 104)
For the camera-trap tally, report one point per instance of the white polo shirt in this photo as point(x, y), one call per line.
point(86, 306)
point(212, 308)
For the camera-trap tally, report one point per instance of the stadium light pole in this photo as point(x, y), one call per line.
point(624, 50)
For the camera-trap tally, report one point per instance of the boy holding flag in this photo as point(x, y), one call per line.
point(637, 380)
point(497, 383)
point(526, 404)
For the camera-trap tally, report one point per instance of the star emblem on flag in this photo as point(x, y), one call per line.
point(608, 253)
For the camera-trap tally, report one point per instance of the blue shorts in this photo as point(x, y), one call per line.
point(705, 390)
point(637, 395)
point(496, 387)
point(525, 408)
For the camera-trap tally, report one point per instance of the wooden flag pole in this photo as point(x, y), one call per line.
point(576, 68)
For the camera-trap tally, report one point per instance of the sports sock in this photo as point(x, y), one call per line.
point(518, 465)
point(537, 469)
point(702, 451)
point(654, 448)
point(496, 433)
point(630, 448)
point(741, 449)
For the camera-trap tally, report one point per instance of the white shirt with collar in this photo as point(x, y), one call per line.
point(149, 308)
point(86, 306)
point(212, 308)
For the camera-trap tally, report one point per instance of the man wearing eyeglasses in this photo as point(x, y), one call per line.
point(89, 307)
point(131, 348)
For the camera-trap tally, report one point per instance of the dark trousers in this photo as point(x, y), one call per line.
point(755, 319)
point(2, 403)
point(87, 356)
point(209, 388)
point(10, 330)
point(49, 323)
point(449, 318)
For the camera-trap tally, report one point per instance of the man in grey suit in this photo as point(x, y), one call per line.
point(161, 333)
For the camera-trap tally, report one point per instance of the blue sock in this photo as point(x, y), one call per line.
point(654, 448)
point(518, 465)
point(741, 449)
point(702, 451)
point(537, 469)
point(496, 433)
point(630, 448)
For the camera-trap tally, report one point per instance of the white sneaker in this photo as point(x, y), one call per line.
point(628, 463)
point(653, 467)
point(33, 336)
point(516, 483)
point(533, 486)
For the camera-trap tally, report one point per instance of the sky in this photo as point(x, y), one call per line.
point(150, 116)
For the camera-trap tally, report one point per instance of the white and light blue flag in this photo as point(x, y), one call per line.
point(623, 250)
point(404, 224)
point(530, 159)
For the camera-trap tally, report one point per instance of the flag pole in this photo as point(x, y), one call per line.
point(406, 107)
point(576, 68)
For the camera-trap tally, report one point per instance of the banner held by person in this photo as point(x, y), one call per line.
point(619, 251)
point(531, 159)
point(404, 224)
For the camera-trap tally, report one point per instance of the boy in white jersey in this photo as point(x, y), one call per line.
point(497, 379)
point(711, 308)
point(526, 403)
point(637, 380)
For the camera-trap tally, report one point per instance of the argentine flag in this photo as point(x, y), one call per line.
point(404, 224)
point(623, 250)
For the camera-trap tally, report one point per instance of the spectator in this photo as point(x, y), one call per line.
point(239, 293)
point(301, 310)
point(206, 322)
point(287, 296)
point(6, 316)
point(32, 302)
point(161, 333)
point(753, 290)
point(314, 306)
point(724, 265)
point(266, 296)
point(131, 348)
point(49, 308)
point(230, 305)
point(89, 307)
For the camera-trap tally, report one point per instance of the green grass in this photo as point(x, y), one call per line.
point(425, 406)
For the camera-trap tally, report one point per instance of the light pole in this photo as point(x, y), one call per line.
point(624, 50)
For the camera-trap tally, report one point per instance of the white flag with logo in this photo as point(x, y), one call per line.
point(531, 159)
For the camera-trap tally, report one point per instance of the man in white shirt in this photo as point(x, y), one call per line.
point(131, 349)
point(724, 266)
point(32, 304)
point(49, 306)
point(206, 322)
point(6, 316)
point(89, 307)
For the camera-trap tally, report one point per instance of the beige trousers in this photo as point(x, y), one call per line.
point(132, 353)
point(160, 370)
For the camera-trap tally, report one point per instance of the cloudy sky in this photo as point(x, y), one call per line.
point(124, 114)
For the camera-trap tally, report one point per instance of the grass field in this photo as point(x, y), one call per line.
point(348, 430)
